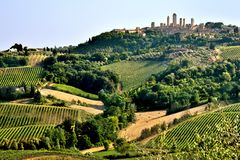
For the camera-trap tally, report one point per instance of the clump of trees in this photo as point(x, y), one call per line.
point(212, 25)
point(72, 70)
point(17, 46)
point(13, 93)
point(181, 87)
point(12, 61)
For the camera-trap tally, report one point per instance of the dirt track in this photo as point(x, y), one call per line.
point(95, 149)
point(149, 119)
point(69, 97)
point(92, 110)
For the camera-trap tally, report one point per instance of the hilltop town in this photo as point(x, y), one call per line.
point(174, 26)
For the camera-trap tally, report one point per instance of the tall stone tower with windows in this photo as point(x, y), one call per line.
point(192, 22)
point(174, 20)
point(153, 25)
point(180, 23)
point(168, 21)
point(184, 23)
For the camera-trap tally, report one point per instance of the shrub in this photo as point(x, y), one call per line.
point(106, 145)
point(164, 126)
point(145, 133)
point(155, 129)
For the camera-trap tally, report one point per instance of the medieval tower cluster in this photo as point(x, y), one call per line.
point(174, 23)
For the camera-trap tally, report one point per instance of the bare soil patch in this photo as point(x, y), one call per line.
point(95, 149)
point(70, 98)
point(92, 110)
point(149, 119)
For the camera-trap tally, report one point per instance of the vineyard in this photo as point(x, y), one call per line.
point(232, 52)
point(16, 76)
point(134, 73)
point(184, 133)
point(22, 122)
point(36, 59)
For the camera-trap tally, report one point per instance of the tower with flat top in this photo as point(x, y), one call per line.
point(192, 22)
point(180, 23)
point(184, 23)
point(168, 21)
point(174, 20)
point(153, 25)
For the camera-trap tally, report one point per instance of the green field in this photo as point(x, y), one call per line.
point(231, 52)
point(184, 133)
point(23, 122)
point(135, 73)
point(16, 76)
point(74, 91)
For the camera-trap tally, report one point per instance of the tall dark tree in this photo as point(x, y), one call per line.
point(19, 47)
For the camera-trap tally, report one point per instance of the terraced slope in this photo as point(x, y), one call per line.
point(22, 122)
point(184, 133)
point(16, 76)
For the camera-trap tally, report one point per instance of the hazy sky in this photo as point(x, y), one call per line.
point(40, 23)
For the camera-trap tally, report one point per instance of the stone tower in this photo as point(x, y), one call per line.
point(184, 23)
point(192, 22)
point(153, 25)
point(180, 23)
point(168, 21)
point(174, 20)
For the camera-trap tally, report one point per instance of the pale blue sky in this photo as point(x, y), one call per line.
point(40, 23)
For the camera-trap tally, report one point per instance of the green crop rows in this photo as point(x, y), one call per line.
point(185, 133)
point(134, 73)
point(23, 133)
point(21, 122)
point(232, 52)
point(16, 76)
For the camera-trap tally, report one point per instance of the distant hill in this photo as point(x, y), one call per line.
point(119, 42)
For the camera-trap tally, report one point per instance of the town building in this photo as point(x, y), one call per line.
point(172, 26)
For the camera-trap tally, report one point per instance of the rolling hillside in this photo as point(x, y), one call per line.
point(184, 134)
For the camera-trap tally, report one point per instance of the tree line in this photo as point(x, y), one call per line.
point(80, 73)
point(181, 86)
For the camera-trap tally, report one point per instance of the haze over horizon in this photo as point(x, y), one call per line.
point(42, 23)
